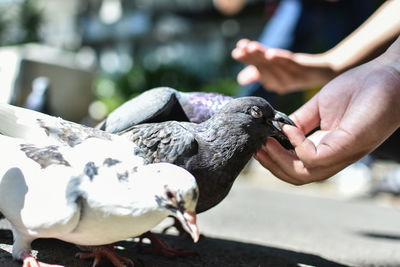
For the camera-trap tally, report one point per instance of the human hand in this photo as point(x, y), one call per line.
point(356, 112)
point(229, 7)
point(280, 70)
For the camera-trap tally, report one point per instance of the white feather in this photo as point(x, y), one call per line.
point(39, 128)
point(23, 123)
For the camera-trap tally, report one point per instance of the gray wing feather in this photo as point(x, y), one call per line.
point(140, 109)
point(164, 142)
point(71, 133)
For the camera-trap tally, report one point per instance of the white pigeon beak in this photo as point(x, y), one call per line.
point(188, 221)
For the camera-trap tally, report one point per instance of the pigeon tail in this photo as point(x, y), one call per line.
point(23, 123)
point(39, 128)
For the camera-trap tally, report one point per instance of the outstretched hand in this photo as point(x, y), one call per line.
point(280, 70)
point(356, 112)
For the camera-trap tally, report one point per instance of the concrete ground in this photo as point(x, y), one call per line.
point(264, 222)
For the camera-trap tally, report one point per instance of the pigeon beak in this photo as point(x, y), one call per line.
point(188, 221)
point(281, 118)
point(277, 122)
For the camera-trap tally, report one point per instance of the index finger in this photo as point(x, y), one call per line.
point(307, 117)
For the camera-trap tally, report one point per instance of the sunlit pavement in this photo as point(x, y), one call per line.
point(264, 222)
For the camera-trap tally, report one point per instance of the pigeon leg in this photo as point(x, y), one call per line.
point(100, 253)
point(30, 261)
point(160, 247)
point(178, 227)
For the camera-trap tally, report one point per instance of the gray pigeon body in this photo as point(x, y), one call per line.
point(214, 151)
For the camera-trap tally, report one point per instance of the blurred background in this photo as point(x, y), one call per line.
point(94, 55)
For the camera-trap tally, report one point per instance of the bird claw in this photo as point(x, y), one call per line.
point(101, 253)
point(162, 248)
point(30, 261)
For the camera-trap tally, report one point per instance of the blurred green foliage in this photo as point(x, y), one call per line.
point(20, 22)
point(30, 19)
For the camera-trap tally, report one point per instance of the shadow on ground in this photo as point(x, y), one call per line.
point(210, 252)
point(380, 235)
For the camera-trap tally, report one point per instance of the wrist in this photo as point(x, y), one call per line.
point(391, 57)
point(328, 67)
point(389, 62)
point(336, 60)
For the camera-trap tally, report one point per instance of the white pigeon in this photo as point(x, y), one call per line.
point(43, 129)
point(88, 196)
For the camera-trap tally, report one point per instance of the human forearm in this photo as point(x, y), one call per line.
point(368, 40)
point(283, 71)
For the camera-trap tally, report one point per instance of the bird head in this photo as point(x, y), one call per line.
point(177, 194)
point(259, 117)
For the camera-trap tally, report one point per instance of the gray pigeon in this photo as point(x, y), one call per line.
point(214, 151)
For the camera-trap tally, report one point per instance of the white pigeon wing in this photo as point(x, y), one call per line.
point(39, 128)
point(23, 123)
point(35, 209)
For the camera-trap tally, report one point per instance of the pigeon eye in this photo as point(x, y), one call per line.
point(256, 112)
point(170, 195)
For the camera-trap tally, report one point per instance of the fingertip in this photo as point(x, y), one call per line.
point(294, 134)
point(287, 128)
point(253, 47)
point(304, 148)
point(264, 146)
point(237, 53)
point(279, 163)
point(262, 157)
point(270, 54)
point(255, 156)
point(242, 43)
